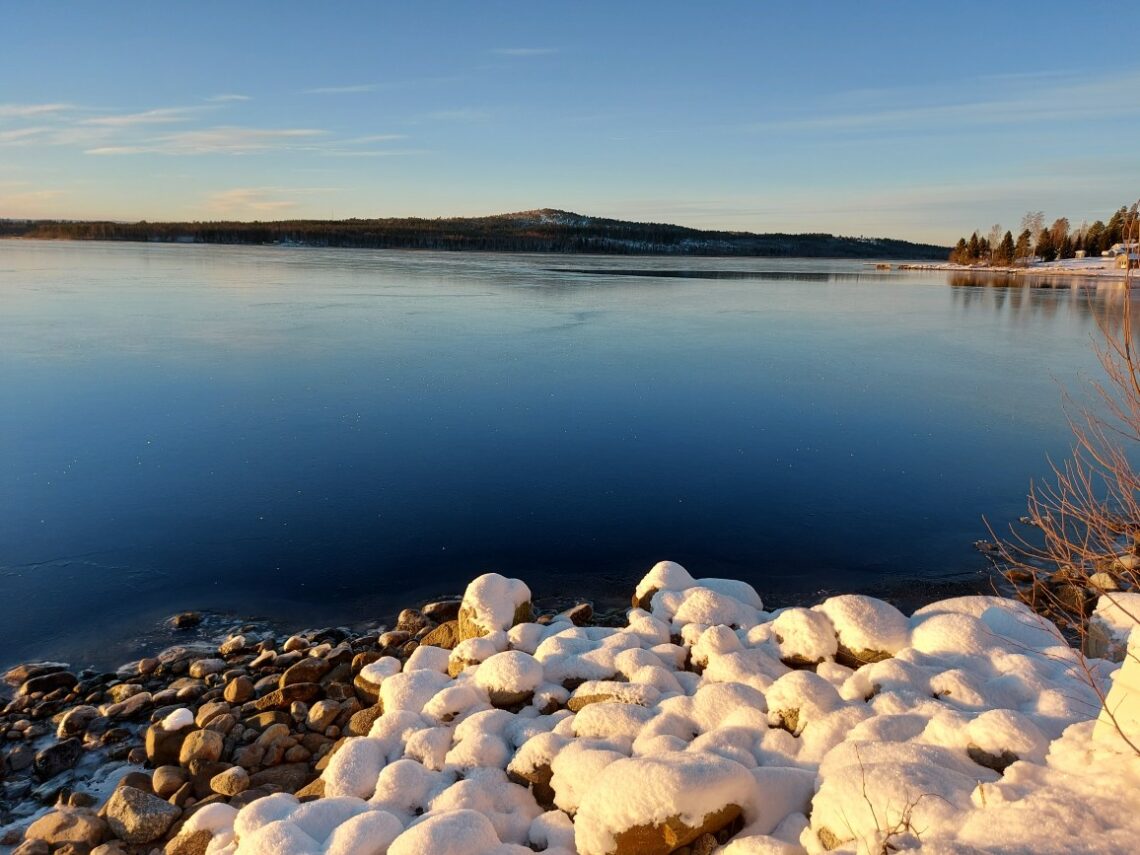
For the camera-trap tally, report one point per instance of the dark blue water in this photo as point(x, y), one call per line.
point(324, 436)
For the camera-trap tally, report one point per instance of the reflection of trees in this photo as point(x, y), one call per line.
point(1022, 297)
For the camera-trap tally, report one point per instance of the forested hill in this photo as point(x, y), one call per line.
point(546, 230)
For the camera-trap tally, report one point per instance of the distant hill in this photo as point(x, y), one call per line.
point(545, 230)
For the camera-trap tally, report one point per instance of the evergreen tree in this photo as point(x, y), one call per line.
point(1004, 253)
point(1045, 249)
point(973, 249)
point(958, 253)
point(1066, 248)
point(1094, 239)
point(1022, 249)
point(1114, 231)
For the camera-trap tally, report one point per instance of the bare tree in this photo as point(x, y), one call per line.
point(1085, 541)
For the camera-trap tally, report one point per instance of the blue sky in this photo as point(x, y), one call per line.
point(900, 119)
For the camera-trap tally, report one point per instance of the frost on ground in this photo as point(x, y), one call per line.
point(708, 722)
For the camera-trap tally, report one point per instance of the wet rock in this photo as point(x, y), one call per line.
point(57, 758)
point(411, 621)
point(394, 639)
point(48, 683)
point(580, 615)
point(186, 620)
point(137, 817)
point(68, 825)
point(75, 721)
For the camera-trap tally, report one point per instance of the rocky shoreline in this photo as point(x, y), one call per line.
point(484, 725)
point(267, 711)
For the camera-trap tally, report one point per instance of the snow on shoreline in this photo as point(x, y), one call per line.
point(1093, 268)
point(965, 728)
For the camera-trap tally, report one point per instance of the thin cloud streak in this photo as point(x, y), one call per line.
point(341, 90)
point(525, 51)
point(220, 140)
point(23, 111)
point(227, 97)
point(160, 116)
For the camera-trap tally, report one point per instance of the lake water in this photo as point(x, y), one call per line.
point(325, 436)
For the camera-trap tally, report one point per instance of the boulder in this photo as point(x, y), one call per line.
point(48, 682)
point(238, 690)
point(230, 782)
point(68, 825)
point(57, 758)
point(164, 746)
point(203, 745)
point(137, 817)
point(309, 670)
point(446, 635)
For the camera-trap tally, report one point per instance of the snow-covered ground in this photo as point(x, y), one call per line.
point(1099, 268)
point(967, 727)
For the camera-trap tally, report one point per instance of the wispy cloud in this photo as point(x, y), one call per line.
point(261, 200)
point(341, 90)
point(1024, 99)
point(219, 140)
point(160, 116)
point(459, 114)
point(525, 51)
point(226, 97)
point(24, 111)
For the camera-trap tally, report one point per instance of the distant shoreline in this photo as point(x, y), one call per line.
point(542, 231)
point(1081, 268)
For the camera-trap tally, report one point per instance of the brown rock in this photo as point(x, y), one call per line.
point(280, 699)
point(167, 780)
point(290, 777)
point(362, 722)
point(665, 837)
point(230, 782)
point(267, 719)
point(315, 789)
point(308, 670)
point(322, 714)
point(238, 690)
point(68, 825)
point(163, 746)
point(469, 627)
point(201, 745)
point(442, 610)
point(446, 635)
point(138, 817)
point(194, 843)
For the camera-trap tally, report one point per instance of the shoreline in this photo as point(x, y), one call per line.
point(1090, 270)
point(275, 711)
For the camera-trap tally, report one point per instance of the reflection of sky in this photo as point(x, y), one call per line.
point(340, 429)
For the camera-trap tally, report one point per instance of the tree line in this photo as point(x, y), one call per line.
point(1035, 240)
point(547, 231)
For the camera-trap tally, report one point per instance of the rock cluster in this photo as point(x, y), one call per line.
point(193, 726)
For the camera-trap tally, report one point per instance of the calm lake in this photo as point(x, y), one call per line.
point(325, 436)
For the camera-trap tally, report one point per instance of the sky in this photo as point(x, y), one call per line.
point(913, 120)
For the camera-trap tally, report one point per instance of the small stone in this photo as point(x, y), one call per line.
point(137, 817)
point(230, 782)
point(394, 639)
point(295, 643)
point(138, 780)
point(308, 670)
point(239, 690)
point(113, 847)
point(313, 790)
point(442, 610)
point(75, 721)
point(233, 644)
point(580, 615)
point(167, 780)
point(204, 667)
point(282, 698)
point(147, 666)
point(194, 843)
point(208, 712)
point(201, 745)
point(186, 620)
point(322, 714)
point(411, 621)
